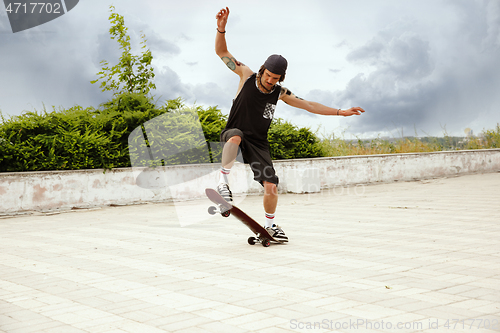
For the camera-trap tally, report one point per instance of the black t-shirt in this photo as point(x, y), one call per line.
point(253, 111)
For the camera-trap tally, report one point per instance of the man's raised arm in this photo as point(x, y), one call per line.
point(221, 46)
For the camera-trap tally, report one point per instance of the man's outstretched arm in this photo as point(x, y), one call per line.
point(221, 46)
point(289, 98)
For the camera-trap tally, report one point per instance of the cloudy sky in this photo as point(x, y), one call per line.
point(415, 66)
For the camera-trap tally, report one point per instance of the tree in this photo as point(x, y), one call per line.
point(133, 73)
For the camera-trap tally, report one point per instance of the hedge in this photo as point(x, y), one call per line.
point(89, 138)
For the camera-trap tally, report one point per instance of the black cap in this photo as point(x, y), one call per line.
point(276, 64)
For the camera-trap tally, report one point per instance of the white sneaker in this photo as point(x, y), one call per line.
point(277, 233)
point(225, 192)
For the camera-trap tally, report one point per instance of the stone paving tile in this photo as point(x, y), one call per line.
point(279, 330)
point(219, 327)
point(196, 321)
point(410, 253)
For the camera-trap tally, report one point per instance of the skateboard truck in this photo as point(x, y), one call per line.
point(265, 242)
point(212, 210)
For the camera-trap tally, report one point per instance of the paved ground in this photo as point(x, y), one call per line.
point(402, 257)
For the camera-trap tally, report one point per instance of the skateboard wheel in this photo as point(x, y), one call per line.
point(226, 213)
point(251, 240)
point(212, 210)
point(266, 242)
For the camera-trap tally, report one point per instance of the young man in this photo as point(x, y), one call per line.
point(250, 117)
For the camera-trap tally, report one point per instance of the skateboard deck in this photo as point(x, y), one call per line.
point(226, 209)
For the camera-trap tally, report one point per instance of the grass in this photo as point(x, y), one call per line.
point(336, 146)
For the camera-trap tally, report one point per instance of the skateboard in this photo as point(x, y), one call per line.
point(226, 209)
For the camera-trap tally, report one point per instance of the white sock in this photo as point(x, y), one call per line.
point(224, 173)
point(269, 220)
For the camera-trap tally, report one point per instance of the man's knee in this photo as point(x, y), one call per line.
point(235, 140)
point(270, 189)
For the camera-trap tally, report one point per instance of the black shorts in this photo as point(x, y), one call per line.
point(259, 159)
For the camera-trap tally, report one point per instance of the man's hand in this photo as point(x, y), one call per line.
point(351, 112)
point(221, 17)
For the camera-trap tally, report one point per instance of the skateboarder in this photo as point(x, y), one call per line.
point(250, 117)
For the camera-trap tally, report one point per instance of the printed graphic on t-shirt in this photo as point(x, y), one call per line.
point(269, 111)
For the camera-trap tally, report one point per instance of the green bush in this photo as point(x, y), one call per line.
point(213, 122)
point(59, 140)
point(75, 138)
point(79, 138)
point(89, 138)
point(177, 137)
point(288, 141)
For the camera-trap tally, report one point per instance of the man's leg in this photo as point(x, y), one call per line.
point(270, 204)
point(229, 154)
point(270, 199)
point(230, 151)
point(262, 166)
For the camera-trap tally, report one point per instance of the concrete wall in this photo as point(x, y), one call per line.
point(60, 190)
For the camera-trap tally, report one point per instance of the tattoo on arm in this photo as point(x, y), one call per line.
point(285, 91)
point(231, 63)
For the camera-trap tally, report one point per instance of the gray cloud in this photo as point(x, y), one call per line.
point(4, 23)
point(159, 45)
point(400, 87)
point(425, 76)
point(52, 65)
point(414, 85)
point(36, 64)
point(169, 85)
point(213, 95)
point(46, 66)
point(398, 52)
point(155, 42)
point(107, 49)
